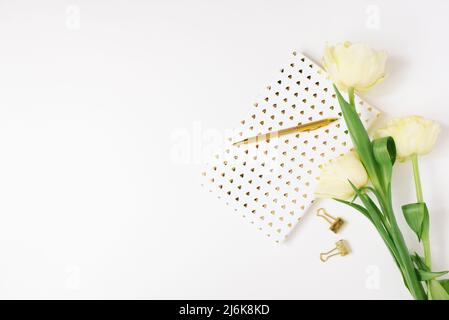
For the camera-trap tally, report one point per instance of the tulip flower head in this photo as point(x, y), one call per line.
point(413, 135)
point(354, 66)
point(336, 174)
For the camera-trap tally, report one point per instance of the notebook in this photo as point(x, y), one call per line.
point(271, 184)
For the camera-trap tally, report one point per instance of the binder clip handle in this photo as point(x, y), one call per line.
point(341, 249)
point(335, 223)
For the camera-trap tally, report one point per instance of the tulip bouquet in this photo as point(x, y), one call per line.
point(366, 173)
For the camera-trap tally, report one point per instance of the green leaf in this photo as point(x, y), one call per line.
point(419, 262)
point(384, 150)
point(427, 275)
point(355, 206)
point(437, 291)
point(425, 227)
point(359, 137)
point(377, 218)
point(415, 214)
point(445, 284)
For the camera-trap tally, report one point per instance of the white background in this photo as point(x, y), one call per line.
point(93, 204)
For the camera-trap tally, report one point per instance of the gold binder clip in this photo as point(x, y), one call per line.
point(335, 223)
point(341, 248)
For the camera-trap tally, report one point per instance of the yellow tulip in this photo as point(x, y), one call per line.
point(413, 135)
point(354, 65)
point(333, 181)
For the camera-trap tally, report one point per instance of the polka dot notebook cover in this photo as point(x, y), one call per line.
point(271, 183)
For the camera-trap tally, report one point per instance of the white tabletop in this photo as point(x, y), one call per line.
point(95, 97)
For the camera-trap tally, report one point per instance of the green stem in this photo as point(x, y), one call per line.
point(418, 187)
point(427, 254)
point(420, 198)
point(409, 272)
point(425, 232)
point(351, 96)
point(426, 246)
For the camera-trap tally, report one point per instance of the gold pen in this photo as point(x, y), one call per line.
point(300, 128)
